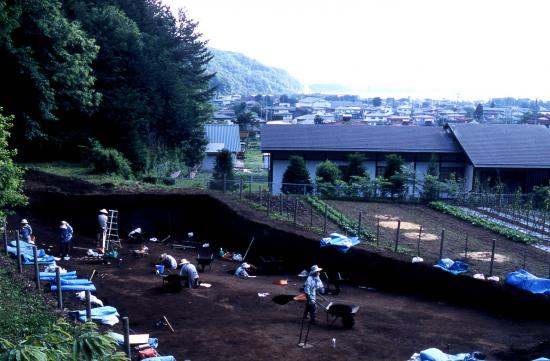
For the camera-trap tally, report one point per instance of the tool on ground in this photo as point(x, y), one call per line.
point(165, 239)
point(248, 249)
point(92, 276)
point(168, 323)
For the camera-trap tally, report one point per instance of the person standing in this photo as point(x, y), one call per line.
point(312, 284)
point(65, 239)
point(25, 231)
point(189, 274)
point(102, 219)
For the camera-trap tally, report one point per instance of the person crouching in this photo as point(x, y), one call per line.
point(242, 271)
point(189, 274)
point(168, 261)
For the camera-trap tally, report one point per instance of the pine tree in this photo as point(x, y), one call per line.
point(296, 174)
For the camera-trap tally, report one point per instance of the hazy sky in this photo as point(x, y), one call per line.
point(438, 48)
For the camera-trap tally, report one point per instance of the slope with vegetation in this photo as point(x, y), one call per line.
point(239, 74)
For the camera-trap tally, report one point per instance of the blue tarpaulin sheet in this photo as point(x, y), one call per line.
point(434, 354)
point(340, 242)
point(26, 253)
point(454, 267)
point(50, 276)
point(119, 338)
point(526, 281)
point(90, 288)
point(160, 358)
point(99, 313)
point(79, 281)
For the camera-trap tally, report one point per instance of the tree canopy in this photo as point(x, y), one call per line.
point(126, 73)
point(296, 174)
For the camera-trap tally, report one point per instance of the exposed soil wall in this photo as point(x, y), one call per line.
point(225, 223)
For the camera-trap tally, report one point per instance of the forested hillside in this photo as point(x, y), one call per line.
point(239, 74)
point(121, 78)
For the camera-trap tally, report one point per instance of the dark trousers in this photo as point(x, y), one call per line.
point(65, 248)
point(310, 308)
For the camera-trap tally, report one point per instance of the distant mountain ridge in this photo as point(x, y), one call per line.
point(238, 74)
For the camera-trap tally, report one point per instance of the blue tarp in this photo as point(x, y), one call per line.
point(50, 276)
point(160, 358)
point(526, 281)
point(26, 253)
point(340, 242)
point(99, 313)
point(454, 267)
point(90, 288)
point(434, 354)
point(80, 281)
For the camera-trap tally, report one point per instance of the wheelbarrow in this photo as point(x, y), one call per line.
point(337, 311)
point(205, 257)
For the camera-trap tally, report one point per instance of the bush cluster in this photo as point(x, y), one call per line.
point(108, 161)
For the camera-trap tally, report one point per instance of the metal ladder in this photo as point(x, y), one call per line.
point(113, 239)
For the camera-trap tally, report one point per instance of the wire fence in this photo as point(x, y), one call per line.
point(298, 207)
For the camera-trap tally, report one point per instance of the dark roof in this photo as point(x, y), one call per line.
point(504, 145)
point(361, 138)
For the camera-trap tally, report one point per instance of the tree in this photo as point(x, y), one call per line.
point(376, 101)
point(223, 170)
point(11, 176)
point(478, 113)
point(355, 166)
point(327, 172)
point(246, 119)
point(394, 175)
point(318, 119)
point(295, 175)
point(432, 186)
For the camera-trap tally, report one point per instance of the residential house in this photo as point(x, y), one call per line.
point(220, 136)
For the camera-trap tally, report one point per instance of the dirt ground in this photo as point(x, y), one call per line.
point(509, 255)
point(229, 321)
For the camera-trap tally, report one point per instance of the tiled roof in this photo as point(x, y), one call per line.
point(504, 145)
point(360, 138)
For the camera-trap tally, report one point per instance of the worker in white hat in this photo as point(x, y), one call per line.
point(189, 274)
point(25, 231)
point(65, 240)
point(102, 219)
point(312, 284)
point(242, 271)
point(168, 261)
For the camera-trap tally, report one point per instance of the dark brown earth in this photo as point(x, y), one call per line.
point(404, 308)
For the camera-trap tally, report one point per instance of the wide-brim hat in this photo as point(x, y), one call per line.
point(103, 211)
point(183, 261)
point(24, 221)
point(314, 269)
point(245, 265)
point(190, 234)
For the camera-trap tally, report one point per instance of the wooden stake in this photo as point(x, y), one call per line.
point(441, 244)
point(169, 325)
point(492, 257)
point(248, 249)
point(92, 276)
point(36, 270)
point(88, 306)
point(397, 235)
point(325, 224)
point(418, 243)
point(59, 293)
point(6, 237)
point(126, 325)
point(18, 247)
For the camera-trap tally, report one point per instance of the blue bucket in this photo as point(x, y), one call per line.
point(160, 268)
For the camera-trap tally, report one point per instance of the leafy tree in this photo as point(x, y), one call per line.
point(318, 119)
point(431, 188)
point(223, 170)
point(327, 172)
point(394, 175)
point(11, 176)
point(376, 101)
point(296, 174)
point(246, 119)
point(478, 113)
point(355, 166)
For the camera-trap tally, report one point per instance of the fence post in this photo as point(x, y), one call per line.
point(397, 234)
point(377, 231)
point(88, 306)
point(6, 236)
point(359, 225)
point(260, 195)
point(250, 190)
point(241, 188)
point(36, 270)
point(18, 248)
point(304, 189)
point(281, 202)
point(492, 257)
point(418, 243)
point(311, 216)
point(325, 224)
point(441, 245)
point(466, 249)
point(269, 205)
point(525, 257)
point(224, 182)
point(295, 209)
point(58, 283)
point(126, 325)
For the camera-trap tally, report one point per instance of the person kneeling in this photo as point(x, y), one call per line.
point(188, 274)
point(242, 271)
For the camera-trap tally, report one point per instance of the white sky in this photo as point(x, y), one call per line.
point(437, 48)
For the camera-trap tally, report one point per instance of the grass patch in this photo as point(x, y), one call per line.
point(22, 313)
point(254, 158)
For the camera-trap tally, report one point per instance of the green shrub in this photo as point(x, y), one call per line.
point(149, 179)
point(108, 160)
point(169, 181)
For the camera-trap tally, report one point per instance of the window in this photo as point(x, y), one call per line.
point(445, 172)
point(380, 170)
